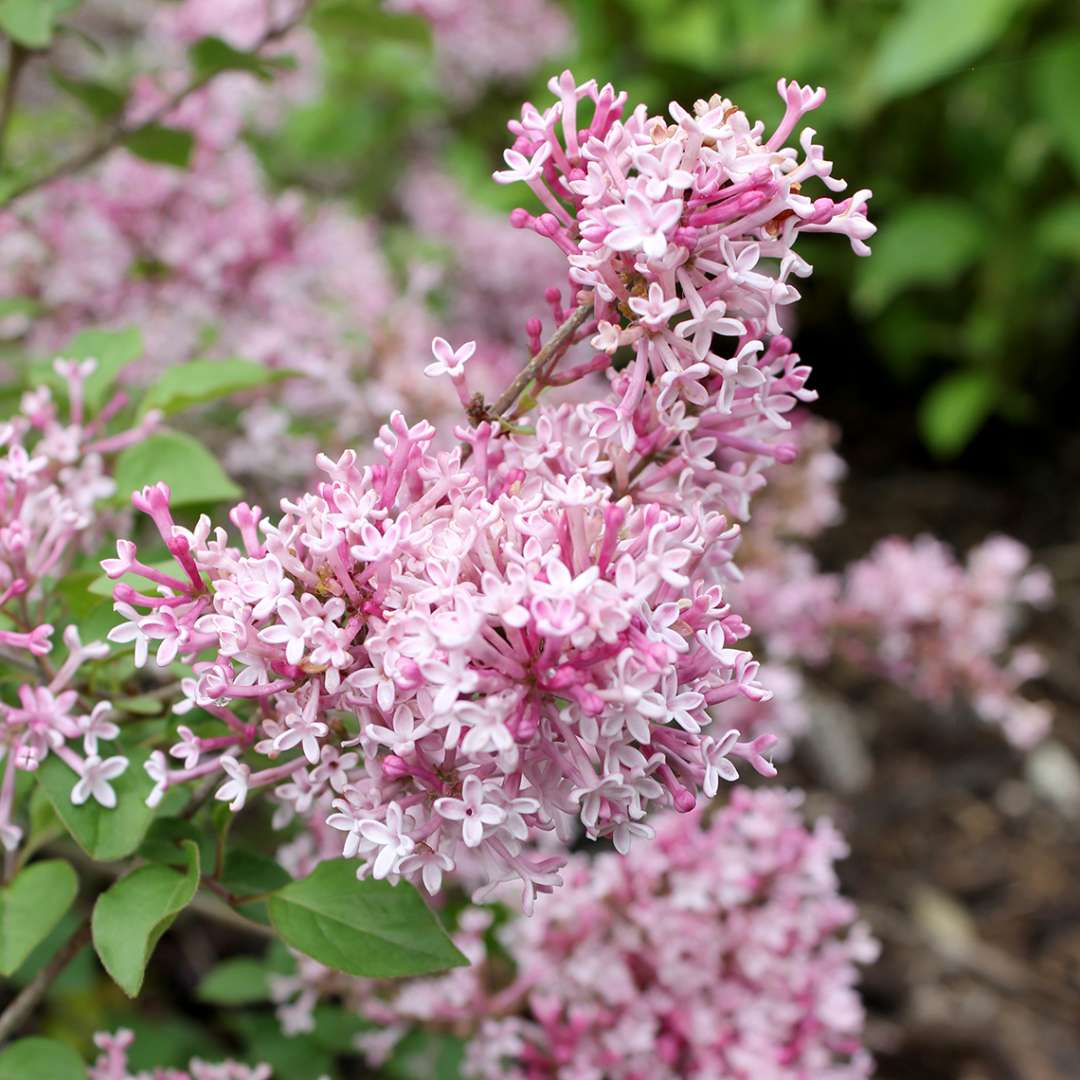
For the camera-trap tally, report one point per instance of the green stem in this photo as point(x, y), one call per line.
point(17, 58)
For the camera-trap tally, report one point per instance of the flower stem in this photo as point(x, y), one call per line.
point(557, 343)
point(20, 1008)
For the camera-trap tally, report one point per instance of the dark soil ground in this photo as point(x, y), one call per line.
point(965, 853)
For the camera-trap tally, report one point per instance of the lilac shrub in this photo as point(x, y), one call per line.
point(531, 631)
point(198, 257)
point(513, 607)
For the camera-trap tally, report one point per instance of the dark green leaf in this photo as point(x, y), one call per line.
point(954, 409)
point(204, 380)
point(427, 1055)
point(31, 906)
point(929, 242)
point(105, 835)
point(211, 55)
point(932, 39)
point(368, 928)
point(40, 1059)
point(162, 145)
point(190, 470)
point(164, 842)
point(130, 917)
point(103, 101)
point(336, 1028)
point(247, 873)
point(1056, 83)
point(239, 981)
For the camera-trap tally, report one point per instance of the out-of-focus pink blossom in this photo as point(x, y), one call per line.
point(720, 949)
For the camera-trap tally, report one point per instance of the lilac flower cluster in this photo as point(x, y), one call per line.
point(722, 948)
point(941, 628)
point(909, 611)
point(521, 651)
point(532, 631)
point(52, 477)
point(684, 234)
point(112, 1064)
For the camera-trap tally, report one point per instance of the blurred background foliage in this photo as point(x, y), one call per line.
point(959, 114)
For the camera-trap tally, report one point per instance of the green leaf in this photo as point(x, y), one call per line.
point(20, 305)
point(40, 1059)
point(427, 1055)
point(31, 906)
point(191, 471)
point(239, 981)
point(162, 145)
point(929, 242)
point(204, 380)
point(955, 408)
point(211, 55)
point(932, 39)
point(1056, 87)
point(131, 915)
point(1058, 230)
point(250, 874)
point(368, 928)
point(247, 873)
point(31, 22)
point(337, 1027)
point(293, 1057)
point(105, 835)
point(165, 842)
point(103, 101)
point(112, 349)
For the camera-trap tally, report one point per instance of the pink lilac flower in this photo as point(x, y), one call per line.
point(52, 480)
point(909, 611)
point(94, 780)
point(941, 628)
point(690, 275)
point(722, 948)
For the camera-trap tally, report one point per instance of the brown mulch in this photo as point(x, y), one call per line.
point(966, 853)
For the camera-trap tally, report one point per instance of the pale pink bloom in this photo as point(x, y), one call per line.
point(94, 780)
point(235, 790)
point(471, 810)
